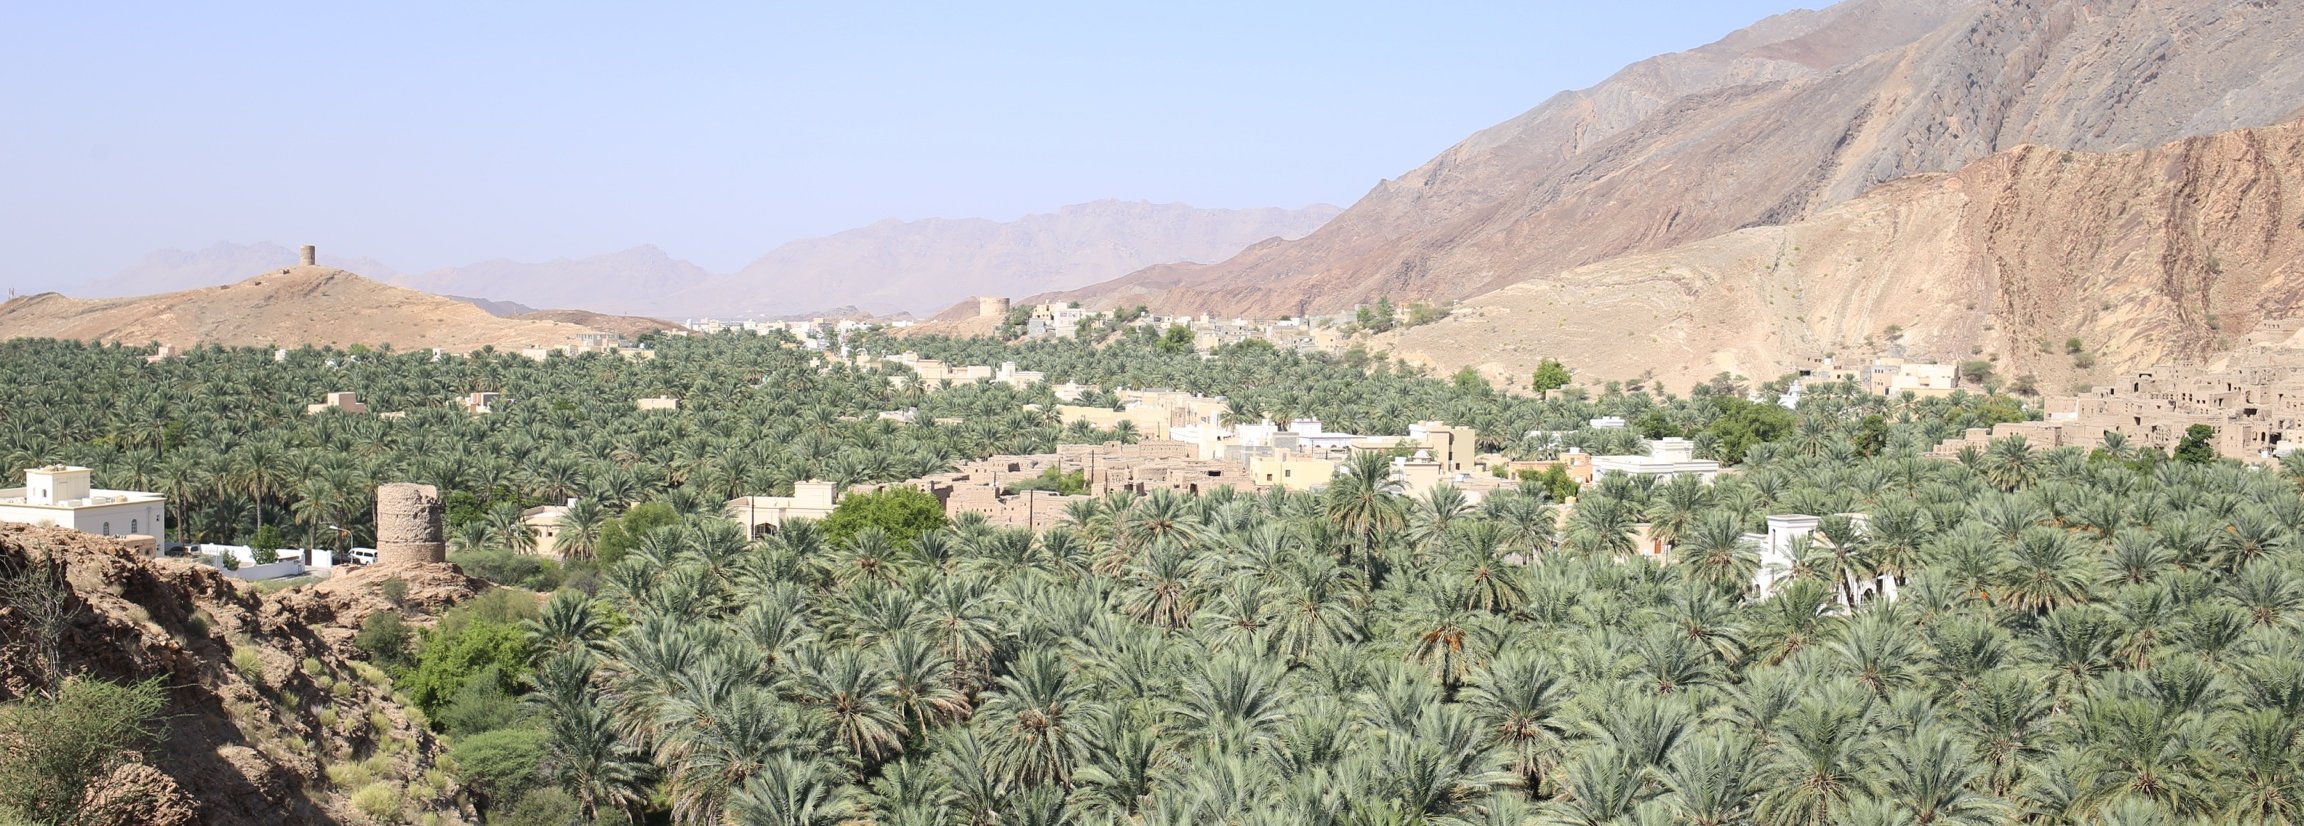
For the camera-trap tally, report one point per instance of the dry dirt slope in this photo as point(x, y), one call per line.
point(288, 307)
point(2173, 252)
point(1769, 126)
point(243, 744)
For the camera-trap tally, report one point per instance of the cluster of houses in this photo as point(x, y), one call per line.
point(1063, 321)
point(934, 373)
point(822, 334)
point(2252, 398)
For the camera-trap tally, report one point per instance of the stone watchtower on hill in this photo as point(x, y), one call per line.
point(308, 256)
point(408, 527)
point(991, 307)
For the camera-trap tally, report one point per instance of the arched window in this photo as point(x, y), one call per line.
point(132, 526)
point(107, 529)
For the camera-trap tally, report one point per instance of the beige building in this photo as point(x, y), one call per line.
point(763, 515)
point(544, 524)
point(982, 486)
point(1150, 420)
point(658, 403)
point(1291, 471)
point(60, 495)
point(1890, 376)
point(347, 402)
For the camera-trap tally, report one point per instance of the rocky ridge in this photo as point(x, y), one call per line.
point(261, 705)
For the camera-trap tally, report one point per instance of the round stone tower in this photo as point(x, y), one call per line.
point(408, 525)
point(309, 255)
point(991, 307)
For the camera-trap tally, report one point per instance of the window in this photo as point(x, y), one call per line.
point(107, 529)
point(132, 526)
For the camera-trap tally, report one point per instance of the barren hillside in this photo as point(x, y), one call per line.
point(1768, 126)
point(286, 307)
point(2173, 252)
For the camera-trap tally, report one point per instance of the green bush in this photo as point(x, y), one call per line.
point(249, 664)
point(500, 765)
point(481, 638)
point(379, 801)
point(546, 806)
point(482, 705)
point(901, 512)
point(395, 591)
point(518, 570)
point(56, 747)
point(265, 548)
point(384, 639)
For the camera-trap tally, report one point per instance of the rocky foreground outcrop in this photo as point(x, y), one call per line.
point(267, 720)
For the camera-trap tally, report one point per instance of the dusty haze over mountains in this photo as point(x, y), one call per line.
point(887, 267)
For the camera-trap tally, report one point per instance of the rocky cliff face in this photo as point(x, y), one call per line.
point(1771, 125)
point(260, 705)
point(2174, 252)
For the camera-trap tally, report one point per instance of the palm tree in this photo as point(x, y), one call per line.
point(579, 529)
point(1364, 500)
point(1037, 721)
point(259, 469)
point(792, 792)
point(584, 755)
point(1716, 552)
point(1518, 699)
point(855, 698)
point(1815, 769)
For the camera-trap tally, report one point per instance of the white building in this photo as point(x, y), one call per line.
point(1779, 551)
point(763, 515)
point(59, 495)
point(1666, 459)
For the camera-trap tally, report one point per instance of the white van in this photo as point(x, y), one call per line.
point(364, 556)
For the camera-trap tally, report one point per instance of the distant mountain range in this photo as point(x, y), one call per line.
point(1675, 216)
point(888, 267)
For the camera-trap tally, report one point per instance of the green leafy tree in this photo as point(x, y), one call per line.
point(1176, 339)
point(900, 513)
point(1741, 424)
point(1550, 375)
point(2198, 445)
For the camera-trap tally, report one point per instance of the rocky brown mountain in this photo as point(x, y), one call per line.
point(1768, 126)
point(2170, 253)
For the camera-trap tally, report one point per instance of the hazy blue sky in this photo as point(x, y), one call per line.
point(430, 134)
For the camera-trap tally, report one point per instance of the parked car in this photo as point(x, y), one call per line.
point(364, 556)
